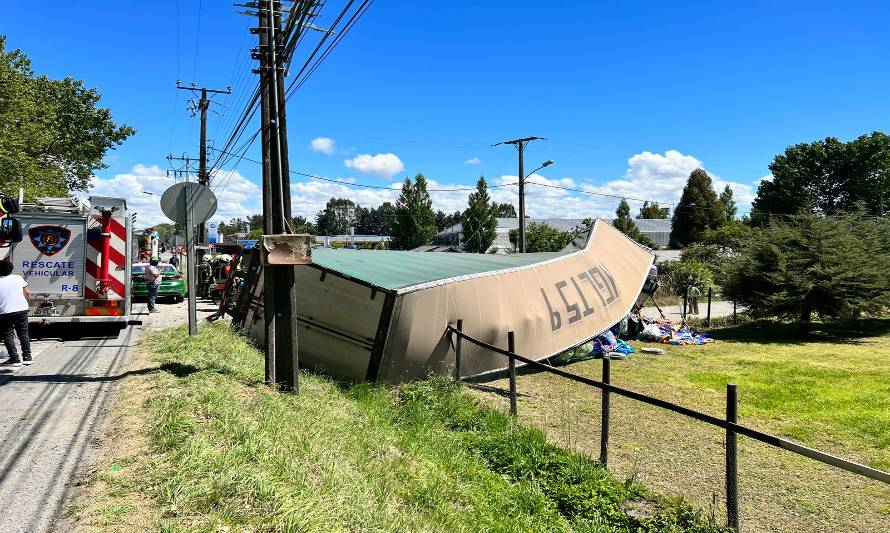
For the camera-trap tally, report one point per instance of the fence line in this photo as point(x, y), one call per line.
point(729, 424)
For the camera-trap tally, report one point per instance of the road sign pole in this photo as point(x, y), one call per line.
point(190, 260)
point(189, 203)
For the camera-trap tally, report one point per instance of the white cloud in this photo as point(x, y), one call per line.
point(661, 177)
point(236, 195)
point(383, 165)
point(651, 176)
point(324, 145)
point(473, 161)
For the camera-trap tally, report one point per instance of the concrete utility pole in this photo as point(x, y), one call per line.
point(520, 146)
point(184, 171)
point(203, 106)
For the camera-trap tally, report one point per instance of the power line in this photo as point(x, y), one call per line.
point(197, 38)
point(359, 13)
point(365, 186)
point(582, 191)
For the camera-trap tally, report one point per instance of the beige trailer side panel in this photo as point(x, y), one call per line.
point(551, 306)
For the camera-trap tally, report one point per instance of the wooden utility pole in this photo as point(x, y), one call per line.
point(279, 287)
point(520, 146)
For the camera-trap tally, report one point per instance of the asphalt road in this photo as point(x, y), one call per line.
point(50, 412)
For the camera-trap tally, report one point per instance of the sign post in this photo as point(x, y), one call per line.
point(189, 203)
point(190, 265)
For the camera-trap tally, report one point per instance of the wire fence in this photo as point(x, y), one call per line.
point(729, 424)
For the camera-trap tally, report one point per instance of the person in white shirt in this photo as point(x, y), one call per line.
point(14, 296)
point(153, 278)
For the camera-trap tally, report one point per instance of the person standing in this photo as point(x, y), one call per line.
point(694, 293)
point(153, 279)
point(14, 296)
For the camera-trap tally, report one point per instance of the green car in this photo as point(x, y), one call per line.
point(172, 282)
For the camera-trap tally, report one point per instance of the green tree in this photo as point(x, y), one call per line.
point(53, 137)
point(542, 238)
point(505, 210)
point(378, 220)
point(732, 237)
point(479, 221)
point(652, 210)
point(699, 210)
point(254, 222)
point(415, 222)
point(338, 215)
point(727, 204)
point(827, 177)
point(299, 224)
point(440, 220)
point(627, 226)
point(808, 265)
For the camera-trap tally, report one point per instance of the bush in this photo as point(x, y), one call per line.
point(812, 265)
point(675, 276)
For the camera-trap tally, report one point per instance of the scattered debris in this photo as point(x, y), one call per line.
point(680, 334)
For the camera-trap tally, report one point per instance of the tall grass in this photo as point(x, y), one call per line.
point(229, 453)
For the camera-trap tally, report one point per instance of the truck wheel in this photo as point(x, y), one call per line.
point(179, 299)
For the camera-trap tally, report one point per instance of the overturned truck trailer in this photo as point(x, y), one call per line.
point(382, 315)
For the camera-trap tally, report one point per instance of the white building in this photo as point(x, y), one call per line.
point(659, 230)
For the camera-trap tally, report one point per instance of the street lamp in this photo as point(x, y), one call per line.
point(522, 201)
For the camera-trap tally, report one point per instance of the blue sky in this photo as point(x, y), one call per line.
point(631, 96)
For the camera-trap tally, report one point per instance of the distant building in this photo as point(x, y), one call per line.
point(353, 241)
point(659, 230)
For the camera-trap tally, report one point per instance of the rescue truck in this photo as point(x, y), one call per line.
point(76, 257)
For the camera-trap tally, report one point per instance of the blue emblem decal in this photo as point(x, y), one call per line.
point(49, 240)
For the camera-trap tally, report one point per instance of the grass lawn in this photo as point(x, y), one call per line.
point(196, 442)
point(828, 388)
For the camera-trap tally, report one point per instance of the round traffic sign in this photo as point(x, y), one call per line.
point(180, 197)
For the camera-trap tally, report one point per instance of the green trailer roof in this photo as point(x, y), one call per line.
point(389, 269)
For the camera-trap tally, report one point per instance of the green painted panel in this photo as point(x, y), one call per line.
point(391, 269)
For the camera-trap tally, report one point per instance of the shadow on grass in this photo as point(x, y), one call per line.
point(834, 332)
point(178, 369)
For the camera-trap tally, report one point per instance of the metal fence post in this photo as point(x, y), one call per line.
point(511, 347)
point(460, 328)
point(710, 293)
point(732, 473)
point(685, 302)
point(604, 413)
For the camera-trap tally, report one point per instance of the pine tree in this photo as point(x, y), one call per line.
point(415, 222)
point(728, 204)
point(479, 220)
point(627, 226)
point(698, 210)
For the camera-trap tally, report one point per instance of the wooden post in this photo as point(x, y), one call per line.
point(511, 347)
point(460, 328)
point(604, 413)
point(732, 473)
